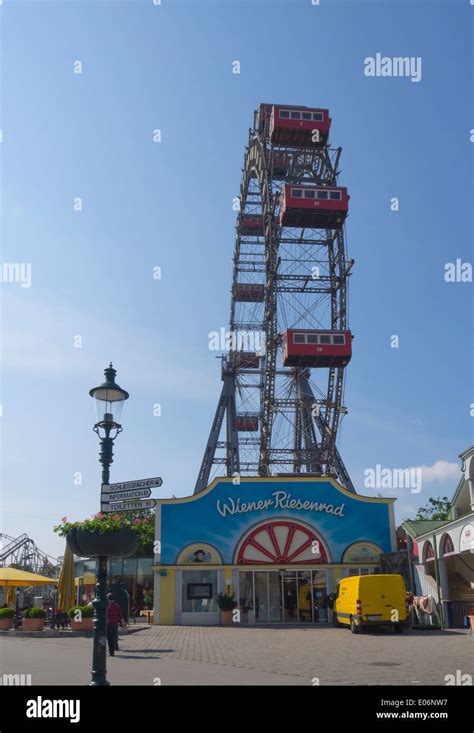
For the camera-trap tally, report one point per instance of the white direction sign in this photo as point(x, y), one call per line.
point(129, 506)
point(121, 495)
point(143, 483)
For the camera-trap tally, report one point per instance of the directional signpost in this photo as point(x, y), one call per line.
point(119, 497)
point(122, 495)
point(129, 506)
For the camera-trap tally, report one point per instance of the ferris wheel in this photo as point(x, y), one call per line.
point(281, 403)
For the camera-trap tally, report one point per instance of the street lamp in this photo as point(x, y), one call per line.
point(109, 399)
point(17, 609)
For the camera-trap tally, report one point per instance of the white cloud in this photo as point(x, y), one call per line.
point(440, 471)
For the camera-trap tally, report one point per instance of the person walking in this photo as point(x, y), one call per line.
point(114, 618)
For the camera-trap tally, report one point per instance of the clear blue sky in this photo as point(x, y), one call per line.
point(170, 205)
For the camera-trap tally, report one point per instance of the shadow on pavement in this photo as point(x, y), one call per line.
point(145, 651)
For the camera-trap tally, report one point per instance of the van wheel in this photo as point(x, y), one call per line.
point(398, 629)
point(355, 628)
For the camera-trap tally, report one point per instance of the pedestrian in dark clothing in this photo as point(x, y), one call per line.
point(114, 618)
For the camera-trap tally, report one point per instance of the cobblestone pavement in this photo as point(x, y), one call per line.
point(249, 655)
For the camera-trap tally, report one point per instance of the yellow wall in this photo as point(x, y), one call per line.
point(167, 598)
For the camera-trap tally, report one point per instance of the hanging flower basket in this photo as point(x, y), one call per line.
point(108, 535)
point(93, 543)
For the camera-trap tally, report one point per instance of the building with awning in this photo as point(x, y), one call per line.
point(441, 552)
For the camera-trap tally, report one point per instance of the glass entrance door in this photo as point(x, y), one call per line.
point(274, 592)
point(290, 596)
point(283, 596)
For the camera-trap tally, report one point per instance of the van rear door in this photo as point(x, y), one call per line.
point(395, 594)
point(371, 597)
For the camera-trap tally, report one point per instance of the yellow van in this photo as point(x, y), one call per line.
point(363, 601)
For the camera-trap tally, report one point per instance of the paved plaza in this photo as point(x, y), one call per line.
point(177, 655)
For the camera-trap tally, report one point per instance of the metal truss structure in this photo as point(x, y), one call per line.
point(22, 552)
point(294, 413)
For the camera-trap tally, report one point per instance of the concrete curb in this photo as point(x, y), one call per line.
point(55, 634)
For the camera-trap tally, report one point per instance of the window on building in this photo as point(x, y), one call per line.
point(447, 547)
point(335, 195)
point(284, 114)
point(322, 194)
point(199, 591)
point(297, 193)
point(144, 569)
point(130, 567)
point(115, 569)
point(429, 551)
point(298, 338)
point(362, 571)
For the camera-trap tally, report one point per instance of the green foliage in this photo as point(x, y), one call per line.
point(435, 509)
point(86, 612)
point(7, 612)
point(35, 613)
point(141, 522)
point(148, 599)
point(226, 602)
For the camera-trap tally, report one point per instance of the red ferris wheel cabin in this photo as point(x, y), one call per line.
point(317, 348)
point(246, 360)
point(299, 126)
point(265, 113)
point(294, 125)
point(249, 292)
point(252, 225)
point(313, 206)
point(247, 423)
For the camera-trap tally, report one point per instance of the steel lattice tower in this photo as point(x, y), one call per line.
point(273, 420)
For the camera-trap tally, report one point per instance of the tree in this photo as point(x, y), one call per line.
point(435, 509)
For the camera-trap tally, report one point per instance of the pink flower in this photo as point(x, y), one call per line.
point(64, 520)
point(138, 521)
point(115, 516)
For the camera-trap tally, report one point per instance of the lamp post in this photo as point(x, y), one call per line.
point(16, 623)
point(109, 399)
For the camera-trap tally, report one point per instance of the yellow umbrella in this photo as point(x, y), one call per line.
point(15, 577)
point(66, 584)
point(10, 596)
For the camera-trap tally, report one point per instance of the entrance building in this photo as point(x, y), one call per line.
point(278, 545)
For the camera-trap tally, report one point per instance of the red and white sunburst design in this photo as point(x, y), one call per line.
point(283, 542)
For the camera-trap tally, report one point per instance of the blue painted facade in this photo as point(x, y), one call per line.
point(221, 516)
